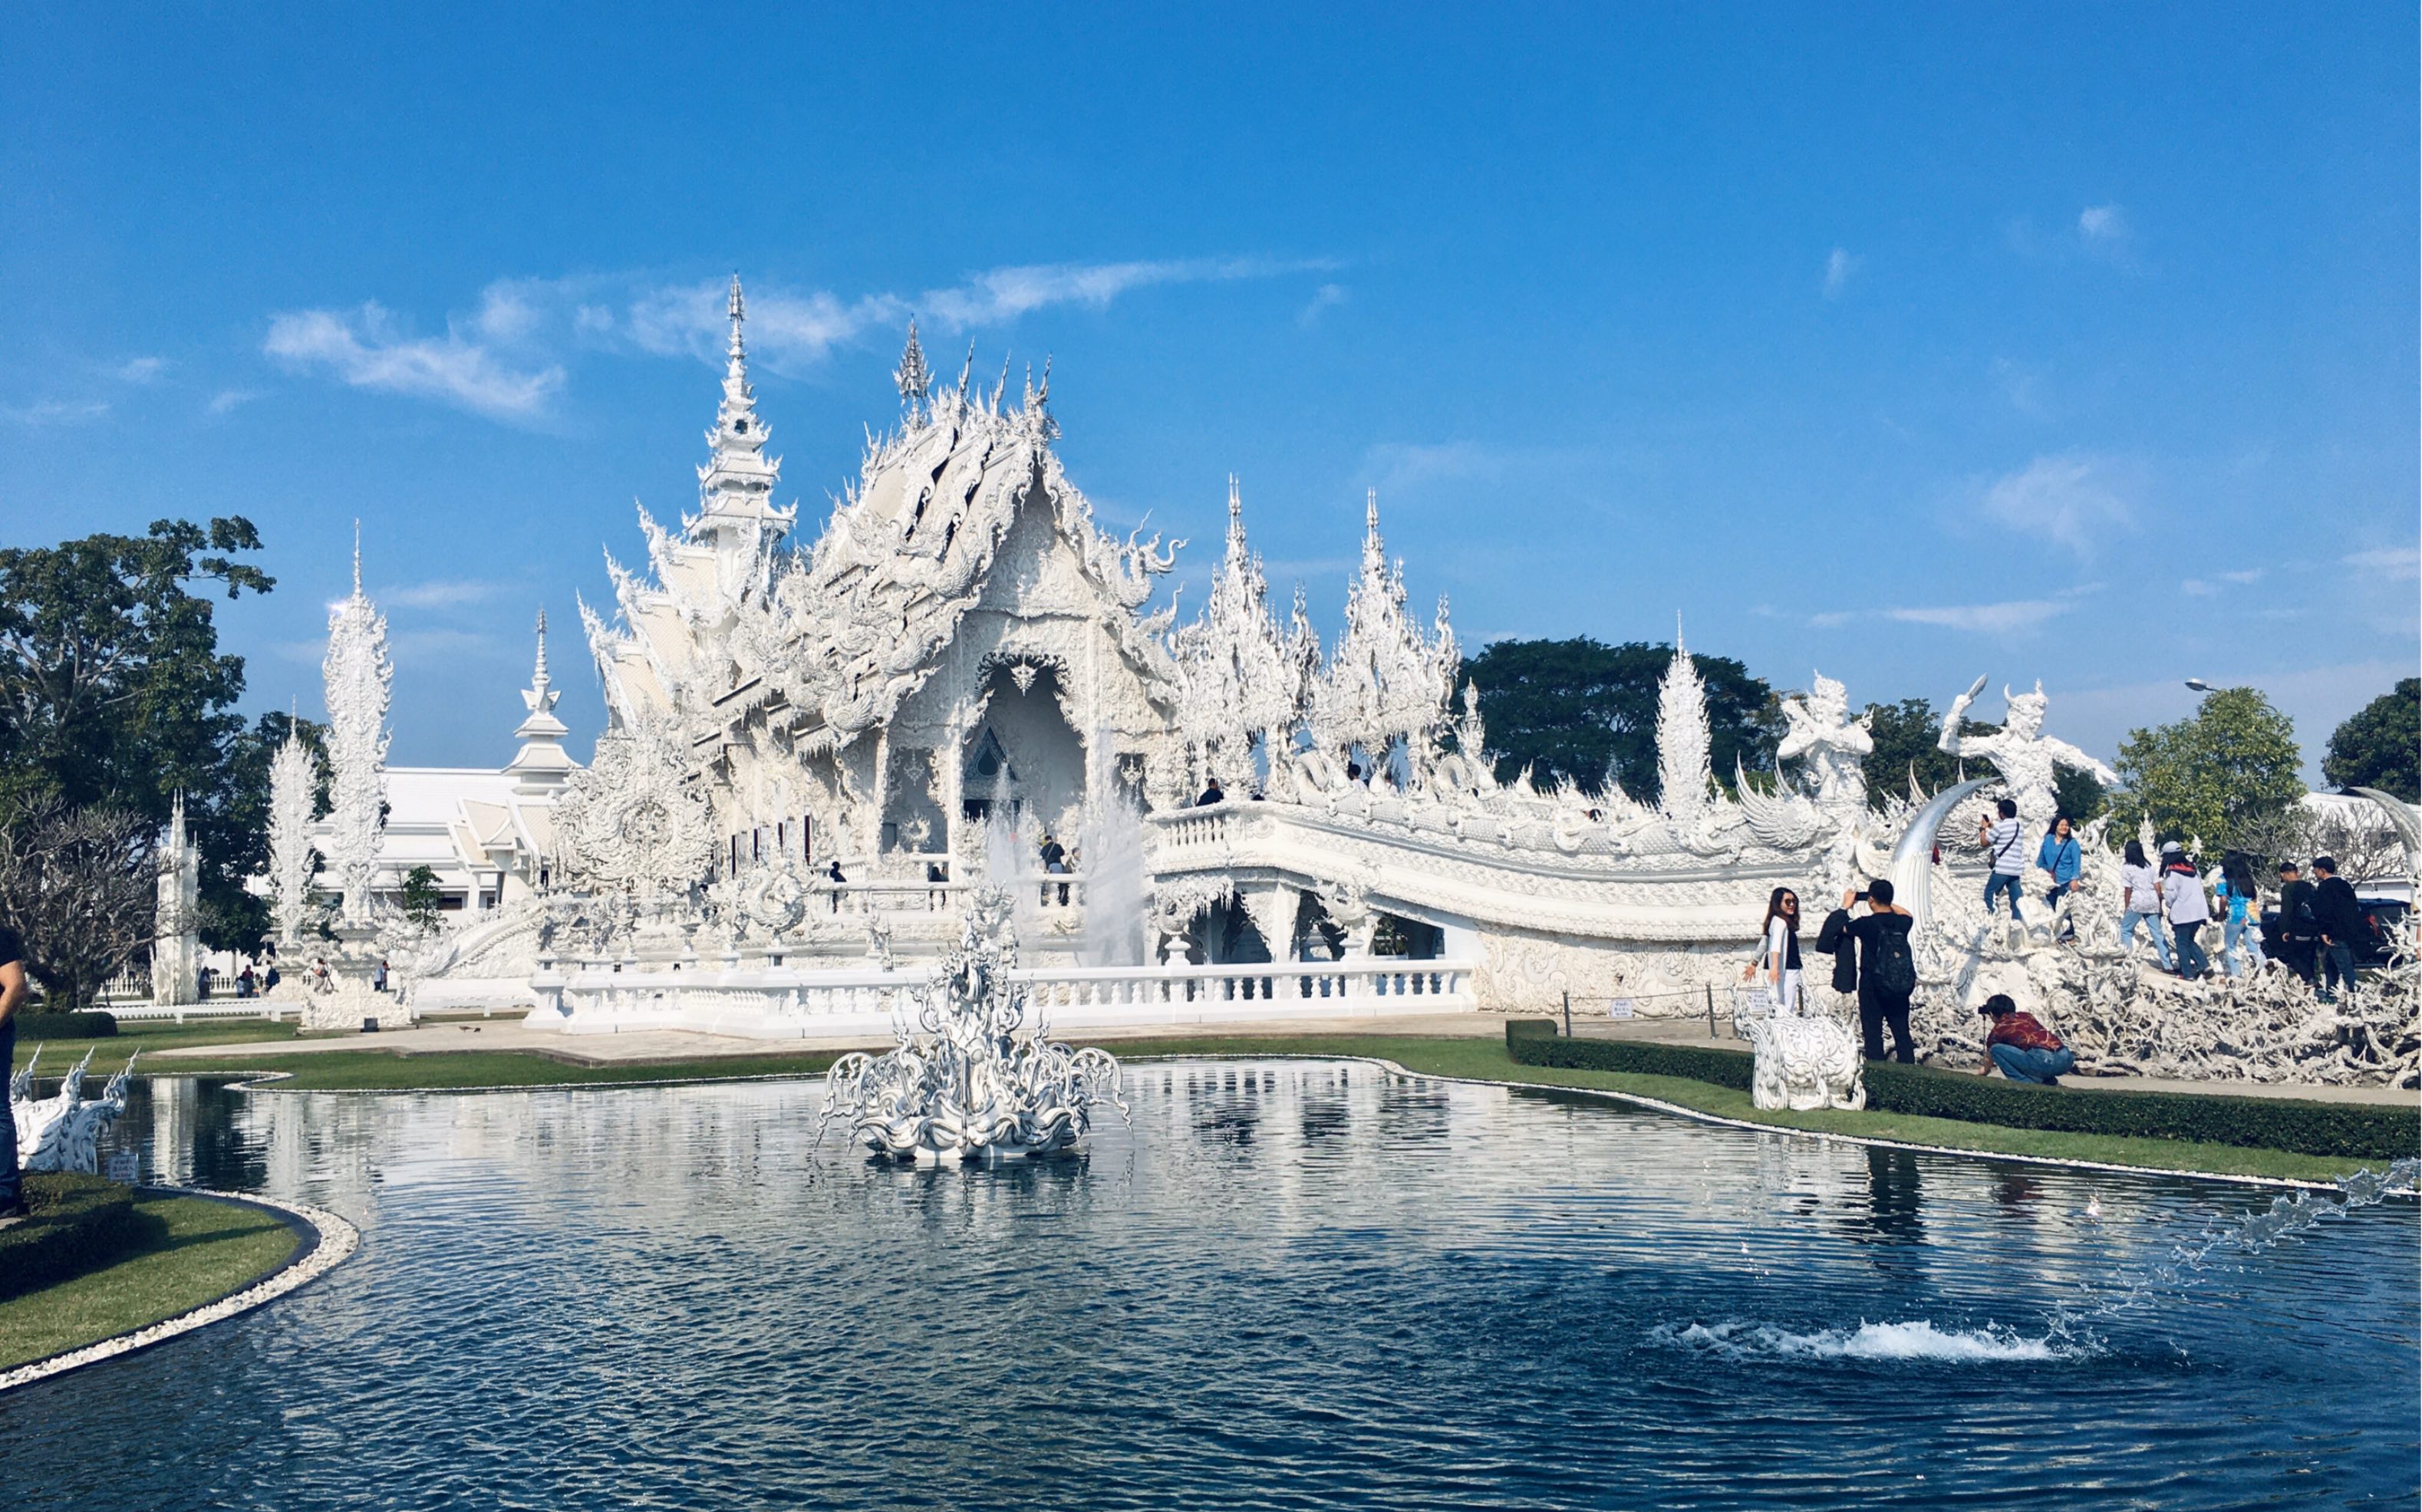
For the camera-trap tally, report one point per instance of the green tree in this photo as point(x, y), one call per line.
point(1587, 711)
point(1905, 735)
point(113, 693)
point(2222, 774)
point(2079, 795)
point(2377, 748)
point(421, 897)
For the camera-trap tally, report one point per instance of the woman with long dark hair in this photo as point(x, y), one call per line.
point(1778, 958)
point(2139, 902)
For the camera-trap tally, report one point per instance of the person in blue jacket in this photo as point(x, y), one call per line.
point(2061, 856)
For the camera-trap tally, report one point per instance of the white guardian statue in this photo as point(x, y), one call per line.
point(2021, 751)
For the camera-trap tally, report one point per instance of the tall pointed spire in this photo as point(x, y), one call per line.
point(736, 485)
point(541, 766)
point(357, 558)
point(915, 379)
point(1684, 770)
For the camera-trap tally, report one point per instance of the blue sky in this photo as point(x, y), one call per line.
point(2065, 342)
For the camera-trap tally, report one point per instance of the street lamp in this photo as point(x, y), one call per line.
point(2199, 684)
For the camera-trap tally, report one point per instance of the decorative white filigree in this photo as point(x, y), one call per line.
point(63, 1132)
point(293, 802)
point(1685, 775)
point(971, 1079)
point(357, 677)
point(633, 820)
point(1804, 1063)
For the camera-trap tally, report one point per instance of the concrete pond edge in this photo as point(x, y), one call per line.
point(328, 1241)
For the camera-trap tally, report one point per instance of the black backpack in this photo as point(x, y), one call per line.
point(1890, 967)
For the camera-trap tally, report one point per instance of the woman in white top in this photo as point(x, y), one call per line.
point(1778, 957)
point(2140, 900)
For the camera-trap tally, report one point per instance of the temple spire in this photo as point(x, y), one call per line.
point(357, 558)
point(915, 379)
point(541, 766)
point(735, 487)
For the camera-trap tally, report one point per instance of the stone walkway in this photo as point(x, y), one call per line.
point(670, 1045)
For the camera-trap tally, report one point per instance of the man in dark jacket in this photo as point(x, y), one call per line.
point(1833, 939)
point(1883, 940)
point(2340, 919)
point(2295, 943)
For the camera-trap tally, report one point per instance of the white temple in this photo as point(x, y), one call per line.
point(816, 752)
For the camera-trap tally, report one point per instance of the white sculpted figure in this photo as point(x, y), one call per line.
point(63, 1133)
point(1804, 1064)
point(969, 1080)
point(2021, 751)
point(1834, 746)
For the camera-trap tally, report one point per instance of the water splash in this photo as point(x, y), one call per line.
point(1918, 1340)
point(1114, 879)
point(2190, 1260)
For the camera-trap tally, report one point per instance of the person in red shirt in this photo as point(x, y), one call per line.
point(2022, 1047)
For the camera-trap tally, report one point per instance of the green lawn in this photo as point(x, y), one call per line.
point(147, 1036)
point(194, 1252)
point(1479, 1059)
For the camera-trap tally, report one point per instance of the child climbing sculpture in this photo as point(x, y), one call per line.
point(2021, 751)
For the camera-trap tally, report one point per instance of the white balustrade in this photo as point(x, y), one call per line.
point(785, 1002)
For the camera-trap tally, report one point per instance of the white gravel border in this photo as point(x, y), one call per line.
point(330, 1240)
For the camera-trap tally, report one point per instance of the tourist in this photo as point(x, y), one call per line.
point(2235, 894)
point(2139, 902)
point(1211, 794)
point(1055, 861)
point(1833, 939)
point(1778, 955)
point(2022, 1047)
point(832, 873)
point(2296, 942)
point(2000, 838)
point(243, 981)
point(12, 997)
point(2339, 916)
point(2059, 855)
point(2184, 905)
point(378, 979)
point(269, 979)
point(1887, 971)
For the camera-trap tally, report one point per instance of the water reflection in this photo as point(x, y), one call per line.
point(1286, 1284)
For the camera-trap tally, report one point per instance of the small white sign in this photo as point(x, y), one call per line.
point(125, 1167)
point(1620, 1008)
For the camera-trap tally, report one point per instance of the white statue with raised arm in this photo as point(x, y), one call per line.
point(2021, 751)
point(1834, 745)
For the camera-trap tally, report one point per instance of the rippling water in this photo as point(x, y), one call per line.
point(1287, 1285)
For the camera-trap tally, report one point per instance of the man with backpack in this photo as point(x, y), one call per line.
point(1887, 970)
point(2008, 851)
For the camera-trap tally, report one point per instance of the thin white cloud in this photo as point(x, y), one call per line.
point(1988, 619)
point(2102, 226)
point(368, 349)
point(440, 593)
point(2021, 384)
point(2389, 561)
point(56, 411)
point(1839, 265)
point(227, 401)
point(1984, 619)
point(2071, 500)
point(432, 645)
point(1327, 296)
point(141, 370)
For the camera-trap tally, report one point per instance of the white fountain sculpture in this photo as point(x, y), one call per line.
point(63, 1132)
point(969, 1078)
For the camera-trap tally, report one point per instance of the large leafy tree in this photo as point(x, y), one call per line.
point(1905, 744)
point(114, 694)
point(2378, 746)
point(1587, 711)
point(2225, 775)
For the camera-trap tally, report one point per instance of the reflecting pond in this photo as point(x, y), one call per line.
point(1285, 1285)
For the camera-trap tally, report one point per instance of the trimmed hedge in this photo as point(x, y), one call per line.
point(75, 1223)
point(89, 1024)
point(2363, 1131)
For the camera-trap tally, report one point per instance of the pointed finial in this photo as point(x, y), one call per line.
point(540, 676)
point(357, 558)
point(738, 307)
point(1236, 503)
point(915, 379)
point(1371, 510)
point(1679, 650)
